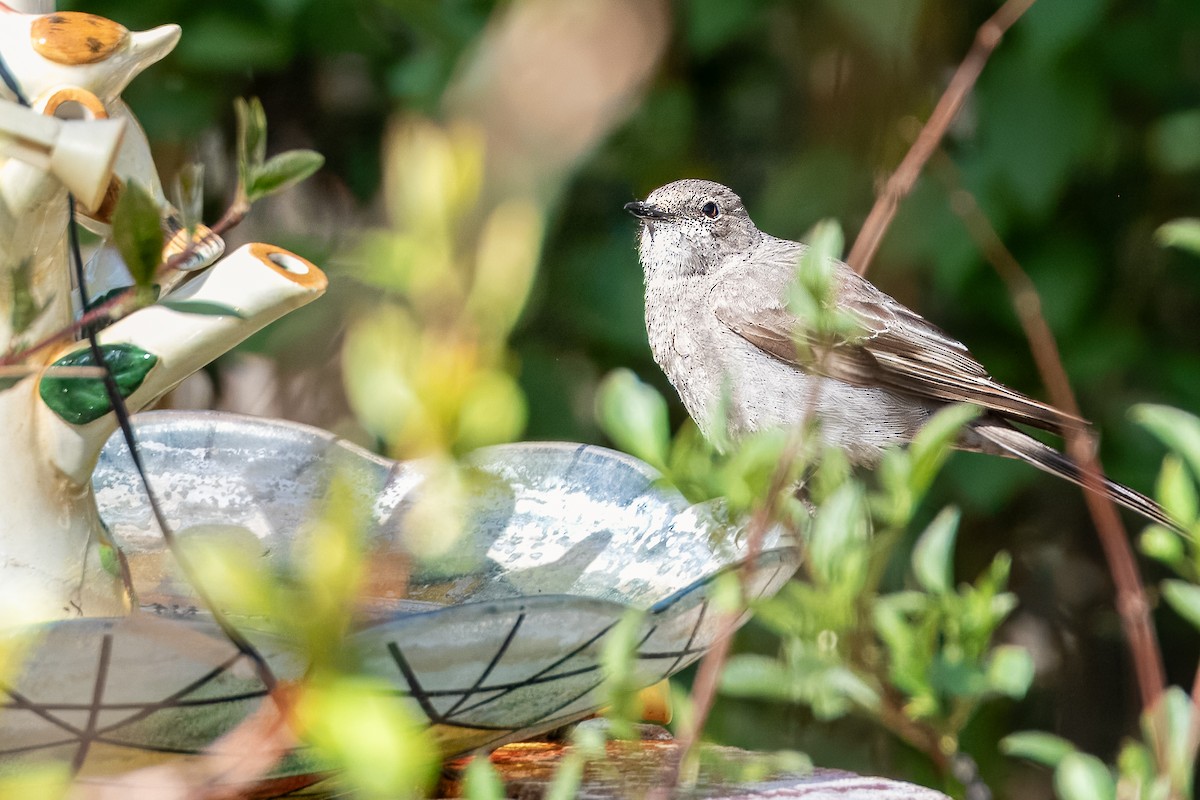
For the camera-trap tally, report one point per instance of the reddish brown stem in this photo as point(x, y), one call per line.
point(905, 177)
point(1131, 602)
point(708, 676)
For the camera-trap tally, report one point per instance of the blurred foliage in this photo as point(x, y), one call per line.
point(1080, 143)
point(355, 724)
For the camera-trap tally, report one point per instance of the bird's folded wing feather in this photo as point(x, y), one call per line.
point(894, 348)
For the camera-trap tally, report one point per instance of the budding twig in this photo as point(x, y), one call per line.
point(1132, 605)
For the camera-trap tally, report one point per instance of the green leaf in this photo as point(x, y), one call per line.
point(81, 400)
point(371, 735)
point(1183, 234)
point(25, 308)
point(1036, 746)
point(137, 233)
point(619, 668)
point(1167, 729)
point(567, 778)
point(1080, 776)
point(825, 243)
point(1177, 491)
point(933, 557)
point(1136, 763)
point(481, 781)
point(189, 195)
point(1164, 545)
point(202, 307)
point(251, 139)
point(1177, 429)
point(931, 445)
point(756, 675)
point(838, 543)
point(634, 416)
point(1184, 597)
point(1010, 670)
point(281, 171)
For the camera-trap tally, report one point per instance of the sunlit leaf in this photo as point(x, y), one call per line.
point(137, 233)
point(1167, 728)
point(634, 415)
point(226, 560)
point(1010, 670)
point(1177, 429)
point(618, 666)
point(567, 778)
point(931, 445)
point(838, 542)
point(1177, 491)
point(933, 556)
point(1043, 748)
point(505, 263)
point(251, 138)
point(1135, 763)
point(1184, 597)
point(1183, 234)
point(755, 675)
point(492, 412)
point(481, 781)
point(189, 196)
point(371, 735)
point(46, 781)
point(1163, 544)
point(1083, 777)
point(281, 171)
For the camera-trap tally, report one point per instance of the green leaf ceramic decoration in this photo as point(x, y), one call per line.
point(76, 135)
point(81, 400)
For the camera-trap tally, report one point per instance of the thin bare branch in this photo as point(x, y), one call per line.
point(905, 177)
point(1131, 602)
point(708, 676)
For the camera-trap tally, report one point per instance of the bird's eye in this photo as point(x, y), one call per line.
point(710, 210)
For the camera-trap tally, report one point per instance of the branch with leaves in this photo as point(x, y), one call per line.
point(137, 232)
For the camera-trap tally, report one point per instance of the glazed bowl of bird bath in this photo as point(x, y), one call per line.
point(495, 637)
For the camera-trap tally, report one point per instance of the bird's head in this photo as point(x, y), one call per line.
point(692, 227)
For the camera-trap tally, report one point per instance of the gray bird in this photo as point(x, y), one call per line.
point(719, 325)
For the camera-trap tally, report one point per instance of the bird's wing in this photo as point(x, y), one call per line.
point(891, 347)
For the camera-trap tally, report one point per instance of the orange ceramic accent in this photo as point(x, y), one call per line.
point(70, 94)
point(72, 37)
point(656, 703)
point(290, 265)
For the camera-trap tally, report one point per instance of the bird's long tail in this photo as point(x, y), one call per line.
point(1012, 442)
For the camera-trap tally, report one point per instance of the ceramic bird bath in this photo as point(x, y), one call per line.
point(501, 641)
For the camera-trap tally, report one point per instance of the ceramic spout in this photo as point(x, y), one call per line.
point(157, 347)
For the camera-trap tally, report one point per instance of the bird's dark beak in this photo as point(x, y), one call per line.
point(645, 210)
